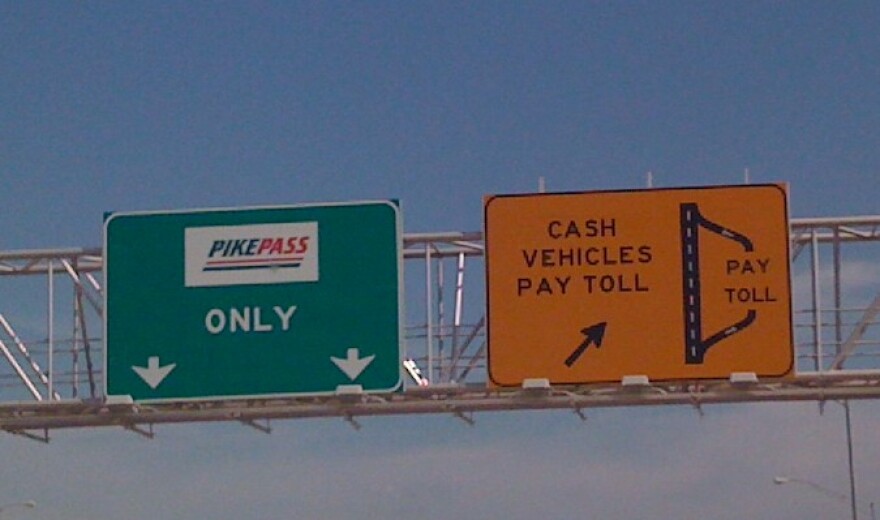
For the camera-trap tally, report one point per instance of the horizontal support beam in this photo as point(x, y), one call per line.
point(49, 254)
point(36, 261)
point(449, 399)
point(828, 222)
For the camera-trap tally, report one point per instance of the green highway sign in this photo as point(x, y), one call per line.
point(254, 302)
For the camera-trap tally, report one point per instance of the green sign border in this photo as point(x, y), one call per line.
point(339, 352)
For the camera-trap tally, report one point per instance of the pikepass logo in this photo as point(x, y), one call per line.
point(251, 254)
point(256, 253)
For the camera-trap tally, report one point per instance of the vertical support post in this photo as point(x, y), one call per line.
point(838, 299)
point(51, 328)
point(456, 323)
point(852, 472)
point(441, 321)
point(429, 317)
point(817, 301)
point(77, 312)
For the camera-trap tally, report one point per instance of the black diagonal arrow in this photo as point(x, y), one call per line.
point(592, 334)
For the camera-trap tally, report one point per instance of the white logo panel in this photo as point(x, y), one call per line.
point(251, 254)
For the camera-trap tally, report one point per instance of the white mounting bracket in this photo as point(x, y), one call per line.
point(741, 379)
point(536, 387)
point(635, 381)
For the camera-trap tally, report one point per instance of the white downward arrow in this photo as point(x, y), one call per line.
point(353, 364)
point(153, 374)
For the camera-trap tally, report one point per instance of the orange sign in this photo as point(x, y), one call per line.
point(674, 284)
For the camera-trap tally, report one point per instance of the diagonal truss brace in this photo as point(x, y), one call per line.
point(849, 346)
point(44, 437)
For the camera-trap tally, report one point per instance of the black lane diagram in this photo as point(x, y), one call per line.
point(695, 345)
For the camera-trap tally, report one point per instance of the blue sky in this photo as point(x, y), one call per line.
point(161, 105)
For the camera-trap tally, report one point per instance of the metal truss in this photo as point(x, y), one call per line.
point(51, 379)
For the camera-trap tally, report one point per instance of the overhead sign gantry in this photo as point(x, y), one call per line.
point(230, 303)
point(837, 343)
point(671, 284)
